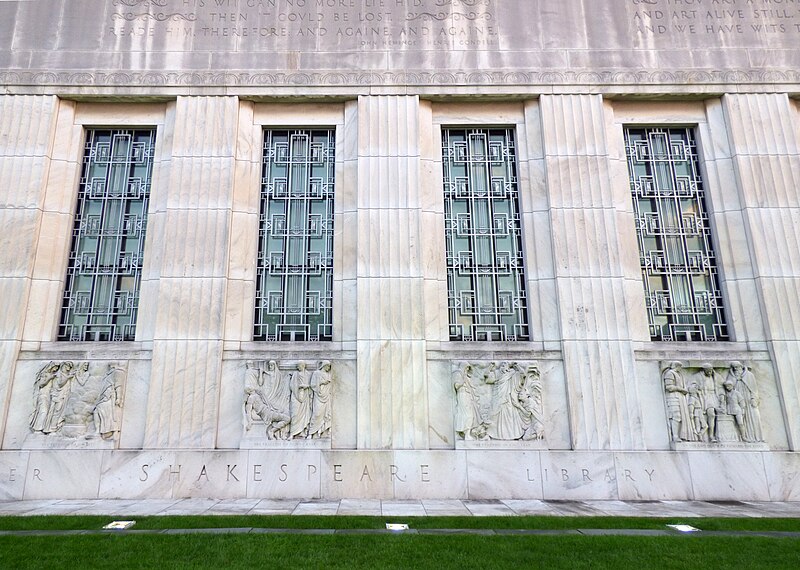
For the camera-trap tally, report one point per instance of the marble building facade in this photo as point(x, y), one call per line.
point(400, 249)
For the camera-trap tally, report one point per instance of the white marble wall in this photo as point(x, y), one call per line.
point(589, 214)
point(766, 160)
point(191, 219)
point(400, 474)
point(393, 402)
point(392, 367)
point(26, 148)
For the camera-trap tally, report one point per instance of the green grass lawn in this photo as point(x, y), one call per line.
point(77, 522)
point(396, 551)
point(124, 550)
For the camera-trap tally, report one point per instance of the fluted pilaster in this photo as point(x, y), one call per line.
point(392, 400)
point(27, 127)
point(763, 132)
point(587, 219)
point(192, 222)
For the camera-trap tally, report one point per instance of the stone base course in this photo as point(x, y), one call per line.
point(400, 475)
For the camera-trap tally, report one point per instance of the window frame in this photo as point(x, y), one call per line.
point(538, 270)
point(262, 272)
point(43, 314)
point(715, 166)
point(254, 118)
point(511, 167)
point(81, 203)
point(670, 276)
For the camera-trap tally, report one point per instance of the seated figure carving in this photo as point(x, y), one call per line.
point(290, 401)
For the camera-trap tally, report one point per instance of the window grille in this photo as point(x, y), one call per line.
point(679, 270)
point(101, 298)
point(294, 280)
point(485, 272)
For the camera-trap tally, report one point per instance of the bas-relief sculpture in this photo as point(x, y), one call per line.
point(708, 404)
point(288, 401)
point(76, 401)
point(498, 401)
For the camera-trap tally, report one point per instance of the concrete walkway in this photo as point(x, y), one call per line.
point(396, 508)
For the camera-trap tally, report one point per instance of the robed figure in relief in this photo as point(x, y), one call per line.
point(320, 423)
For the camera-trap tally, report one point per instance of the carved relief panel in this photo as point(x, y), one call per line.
point(498, 401)
point(711, 404)
point(287, 402)
point(73, 403)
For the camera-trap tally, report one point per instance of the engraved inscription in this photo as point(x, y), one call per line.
point(364, 24)
point(720, 18)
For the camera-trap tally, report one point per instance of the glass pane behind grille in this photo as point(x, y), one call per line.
point(294, 281)
point(105, 264)
point(485, 275)
point(679, 270)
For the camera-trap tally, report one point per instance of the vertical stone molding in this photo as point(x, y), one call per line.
point(27, 126)
point(244, 230)
point(538, 235)
point(763, 132)
point(193, 216)
point(605, 411)
point(392, 396)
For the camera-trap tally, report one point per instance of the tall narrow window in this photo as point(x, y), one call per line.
point(682, 293)
point(295, 254)
point(105, 264)
point(485, 276)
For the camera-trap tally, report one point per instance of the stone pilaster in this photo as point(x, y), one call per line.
point(27, 127)
point(764, 136)
point(588, 213)
point(392, 399)
point(191, 229)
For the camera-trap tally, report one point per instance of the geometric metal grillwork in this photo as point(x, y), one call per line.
point(485, 270)
point(679, 270)
point(294, 283)
point(101, 297)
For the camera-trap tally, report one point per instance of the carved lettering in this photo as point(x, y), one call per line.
point(629, 475)
point(366, 474)
point(424, 475)
point(203, 473)
point(564, 475)
point(283, 476)
point(393, 469)
point(37, 474)
point(231, 474)
point(650, 473)
point(176, 472)
point(585, 473)
point(145, 475)
point(337, 473)
point(610, 477)
point(380, 24)
point(312, 470)
point(12, 474)
point(718, 18)
point(257, 473)
point(529, 475)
